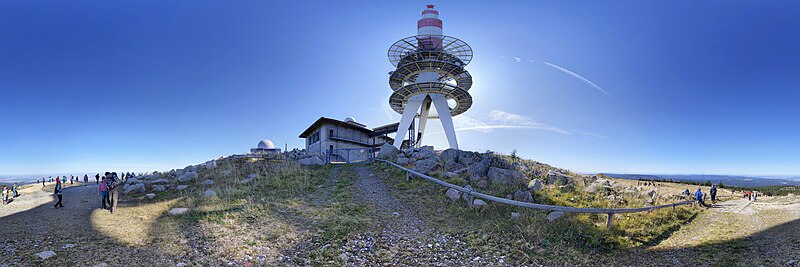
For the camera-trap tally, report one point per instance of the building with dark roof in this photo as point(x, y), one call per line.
point(326, 135)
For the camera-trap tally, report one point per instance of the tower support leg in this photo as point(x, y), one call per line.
point(423, 119)
point(409, 112)
point(444, 116)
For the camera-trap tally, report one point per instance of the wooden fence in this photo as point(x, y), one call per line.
point(473, 193)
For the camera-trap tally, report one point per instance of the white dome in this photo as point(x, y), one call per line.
point(349, 119)
point(266, 143)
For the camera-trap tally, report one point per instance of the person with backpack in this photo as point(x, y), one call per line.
point(713, 193)
point(14, 190)
point(58, 191)
point(111, 183)
point(85, 179)
point(699, 197)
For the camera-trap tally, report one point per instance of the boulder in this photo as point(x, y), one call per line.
point(480, 168)
point(178, 172)
point(535, 185)
point(158, 188)
point(506, 177)
point(388, 152)
point(159, 181)
point(477, 203)
point(483, 183)
point(188, 176)
point(313, 160)
point(209, 193)
point(426, 166)
point(249, 178)
point(652, 193)
point(453, 195)
point(136, 188)
point(211, 164)
point(403, 161)
point(208, 182)
point(555, 215)
point(423, 154)
point(178, 211)
point(515, 215)
point(558, 178)
point(150, 195)
point(190, 168)
point(449, 175)
point(599, 186)
point(132, 181)
point(523, 196)
point(181, 187)
point(45, 254)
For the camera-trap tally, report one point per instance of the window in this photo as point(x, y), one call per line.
point(330, 133)
point(313, 138)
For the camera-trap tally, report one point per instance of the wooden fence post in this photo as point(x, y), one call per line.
point(608, 223)
point(408, 176)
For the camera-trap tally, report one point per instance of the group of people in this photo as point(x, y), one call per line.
point(647, 183)
point(700, 196)
point(750, 195)
point(106, 189)
point(9, 193)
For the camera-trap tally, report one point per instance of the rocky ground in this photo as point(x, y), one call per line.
point(266, 213)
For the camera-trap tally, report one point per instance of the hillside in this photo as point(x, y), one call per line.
point(246, 212)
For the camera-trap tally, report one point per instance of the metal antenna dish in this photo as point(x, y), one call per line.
point(428, 43)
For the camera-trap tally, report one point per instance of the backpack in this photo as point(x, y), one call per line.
point(112, 183)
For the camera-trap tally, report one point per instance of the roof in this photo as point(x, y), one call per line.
point(385, 129)
point(324, 120)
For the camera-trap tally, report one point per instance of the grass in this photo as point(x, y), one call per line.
point(288, 208)
point(533, 239)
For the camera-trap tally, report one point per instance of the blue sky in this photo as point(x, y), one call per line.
point(592, 86)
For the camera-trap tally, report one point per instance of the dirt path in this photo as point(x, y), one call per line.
point(400, 237)
point(741, 231)
point(30, 225)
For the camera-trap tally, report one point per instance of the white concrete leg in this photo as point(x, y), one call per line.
point(447, 121)
point(423, 119)
point(409, 112)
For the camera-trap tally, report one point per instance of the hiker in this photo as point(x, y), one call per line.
point(70, 179)
point(111, 183)
point(14, 190)
point(97, 178)
point(699, 197)
point(755, 195)
point(103, 191)
point(4, 194)
point(713, 193)
point(57, 190)
point(85, 179)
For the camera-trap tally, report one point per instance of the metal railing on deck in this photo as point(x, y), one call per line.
point(473, 193)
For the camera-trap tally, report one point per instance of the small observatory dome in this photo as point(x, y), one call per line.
point(350, 119)
point(266, 144)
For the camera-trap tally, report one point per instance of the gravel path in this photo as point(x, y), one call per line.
point(402, 238)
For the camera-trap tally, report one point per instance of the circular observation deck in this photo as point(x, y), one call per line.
point(461, 97)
